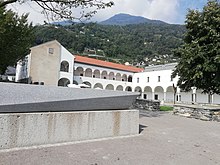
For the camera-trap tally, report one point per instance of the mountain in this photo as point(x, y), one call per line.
point(132, 43)
point(126, 19)
point(64, 23)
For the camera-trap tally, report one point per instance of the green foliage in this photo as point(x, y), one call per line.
point(166, 108)
point(199, 64)
point(131, 43)
point(15, 38)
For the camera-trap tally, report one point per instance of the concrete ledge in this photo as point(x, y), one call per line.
point(31, 129)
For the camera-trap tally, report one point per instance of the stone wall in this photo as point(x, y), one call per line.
point(150, 105)
point(202, 113)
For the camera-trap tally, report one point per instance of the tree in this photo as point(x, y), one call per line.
point(15, 38)
point(199, 64)
point(62, 9)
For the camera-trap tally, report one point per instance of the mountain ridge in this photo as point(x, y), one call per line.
point(127, 19)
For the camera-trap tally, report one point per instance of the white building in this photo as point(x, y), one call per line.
point(51, 64)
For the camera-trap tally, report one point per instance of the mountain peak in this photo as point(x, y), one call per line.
point(126, 19)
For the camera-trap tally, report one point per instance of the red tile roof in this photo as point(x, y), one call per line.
point(92, 61)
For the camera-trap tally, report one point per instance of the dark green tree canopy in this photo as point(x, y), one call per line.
point(199, 64)
point(16, 37)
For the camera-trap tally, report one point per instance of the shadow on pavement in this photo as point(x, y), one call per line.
point(141, 128)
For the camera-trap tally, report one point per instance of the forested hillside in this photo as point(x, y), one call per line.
point(145, 43)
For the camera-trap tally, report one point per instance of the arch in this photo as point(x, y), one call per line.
point(79, 71)
point(170, 89)
point(87, 83)
point(169, 94)
point(98, 86)
point(128, 88)
point(104, 74)
point(118, 77)
point(64, 66)
point(119, 88)
point(111, 76)
point(202, 97)
point(63, 82)
point(129, 78)
point(88, 72)
point(109, 87)
point(124, 77)
point(148, 92)
point(96, 73)
point(147, 89)
point(158, 93)
point(138, 89)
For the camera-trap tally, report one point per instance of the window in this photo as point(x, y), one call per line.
point(138, 80)
point(51, 50)
point(93, 76)
point(148, 79)
point(145, 96)
point(158, 78)
point(156, 97)
point(81, 74)
point(64, 66)
point(171, 78)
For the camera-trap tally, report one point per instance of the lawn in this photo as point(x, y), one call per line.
point(166, 108)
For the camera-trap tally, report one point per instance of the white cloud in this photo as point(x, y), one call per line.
point(165, 10)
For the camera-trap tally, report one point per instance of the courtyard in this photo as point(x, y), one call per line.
point(164, 139)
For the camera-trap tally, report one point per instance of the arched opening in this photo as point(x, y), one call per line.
point(138, 89)
point(170, 94)
point(111, 76)
point(158, 93)
point(98, 86)
point(118, 77)
point(109, 87)
point(148, 92)
point(124, 77)
point(129, 78)
point(64, 66)
point(96, 74)
point(88, 72)
point(79, 71)
point(104, 75)
point(128, 88)
point(88, 84)
point(119, 88)
point(202, 97)
point(63, 82)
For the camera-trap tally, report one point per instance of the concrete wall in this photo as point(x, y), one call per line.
point(45, 66)
point(29, 129)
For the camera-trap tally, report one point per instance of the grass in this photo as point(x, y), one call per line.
point(166, 108)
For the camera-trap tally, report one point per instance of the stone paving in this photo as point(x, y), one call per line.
point(164, 139)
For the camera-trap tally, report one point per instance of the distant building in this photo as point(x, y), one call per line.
point(51, 64)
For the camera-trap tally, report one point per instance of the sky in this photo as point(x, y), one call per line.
point(170, 11)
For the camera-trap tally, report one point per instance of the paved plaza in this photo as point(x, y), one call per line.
point(164, 139)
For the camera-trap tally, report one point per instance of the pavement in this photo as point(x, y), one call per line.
point(164, 139)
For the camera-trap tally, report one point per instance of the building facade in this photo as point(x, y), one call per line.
point(51, 64)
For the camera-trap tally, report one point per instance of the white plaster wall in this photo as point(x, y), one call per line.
point(67, 56)
point(216, 99)
point(31, 129)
